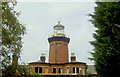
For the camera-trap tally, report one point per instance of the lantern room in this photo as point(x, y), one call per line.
point(59, 29)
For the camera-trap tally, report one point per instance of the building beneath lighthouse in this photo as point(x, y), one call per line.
point(58, 63)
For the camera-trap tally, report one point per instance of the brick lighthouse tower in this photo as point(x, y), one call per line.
point(58, 45)
point(58, 57)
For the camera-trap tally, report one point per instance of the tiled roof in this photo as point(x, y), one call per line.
point(75, 63)
point(38, 62)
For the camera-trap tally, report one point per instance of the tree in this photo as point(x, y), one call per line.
point(12, 32)
point(106, 53)
point(15, 70)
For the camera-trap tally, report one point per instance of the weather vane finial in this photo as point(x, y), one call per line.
point(59, 19)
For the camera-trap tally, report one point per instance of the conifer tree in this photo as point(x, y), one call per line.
point(106, 55)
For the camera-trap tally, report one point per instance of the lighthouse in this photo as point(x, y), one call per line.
point(58, 63)
point(58, 45)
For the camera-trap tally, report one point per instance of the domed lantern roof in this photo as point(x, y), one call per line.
point(59, 26)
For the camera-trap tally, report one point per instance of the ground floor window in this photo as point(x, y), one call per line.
point(80, 69)
point(36, 69)
point(83, 71)
point(73, 70)
point(54, 70)
point(67, 70)
point(60, 70)
point(77, 70)
point(40, 69)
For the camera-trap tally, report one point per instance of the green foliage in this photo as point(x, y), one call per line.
point(88, 75)
point(107, 39)
point(35, 74)
point(12, 32)
point(15, 70)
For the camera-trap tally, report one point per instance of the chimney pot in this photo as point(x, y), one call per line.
point(42, 57)
point(73, 57)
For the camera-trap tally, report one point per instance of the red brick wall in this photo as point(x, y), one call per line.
point(58, 52)
point(63, 66)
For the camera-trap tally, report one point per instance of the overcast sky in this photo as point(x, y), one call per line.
point(39, 19)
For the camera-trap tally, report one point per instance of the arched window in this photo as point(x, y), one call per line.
point(60, 70)
point(40, 69)
point(77, 70)
point(67, 70)
point(73, 70)
point(83, 71)
point(36, 69)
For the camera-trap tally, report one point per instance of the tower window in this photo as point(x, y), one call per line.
point(59, 44)
point(54, 70)
point(40, 69)
point(65, 44)
point(36, 69)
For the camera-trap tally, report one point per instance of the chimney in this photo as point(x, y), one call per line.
point(42, 58)
point(73, 57)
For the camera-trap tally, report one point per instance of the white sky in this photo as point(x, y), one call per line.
point(40, 17)
point(55, 0)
